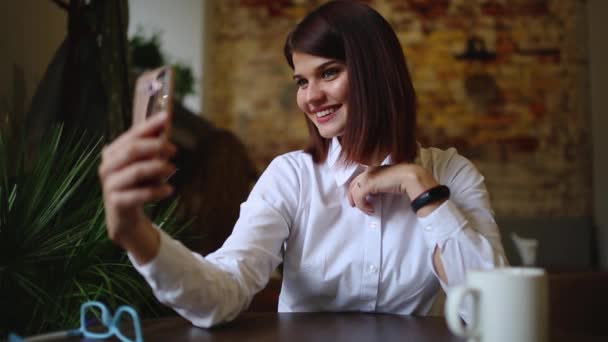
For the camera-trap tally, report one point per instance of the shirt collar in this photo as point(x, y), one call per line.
point(342, 172)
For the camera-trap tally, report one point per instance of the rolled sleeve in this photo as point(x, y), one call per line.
point(166, 266)
point(445, 221)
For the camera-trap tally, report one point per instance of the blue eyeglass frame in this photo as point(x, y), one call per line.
point(110, 321)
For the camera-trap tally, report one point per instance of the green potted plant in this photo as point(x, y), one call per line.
point(54, 250)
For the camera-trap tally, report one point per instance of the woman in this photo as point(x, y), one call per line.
point(359, 219)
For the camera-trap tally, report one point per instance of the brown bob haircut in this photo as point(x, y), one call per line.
point(381, 97)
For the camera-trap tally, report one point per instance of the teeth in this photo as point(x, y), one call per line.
point(325, 112)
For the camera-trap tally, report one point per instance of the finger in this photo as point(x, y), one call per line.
point(364, 205)
point(113, 159)
point(149, 128)
point(359, 196)
point(354, 190)
point(138, 150)
point(145, 172)
point(137, 197)
point(350, 198)
point(369, 206)
point(359, 203)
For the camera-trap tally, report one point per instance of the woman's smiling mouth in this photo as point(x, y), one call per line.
point(325, 115)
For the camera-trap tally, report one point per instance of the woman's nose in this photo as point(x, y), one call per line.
point(315, 93)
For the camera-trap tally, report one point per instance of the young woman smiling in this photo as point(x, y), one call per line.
point(364, 219)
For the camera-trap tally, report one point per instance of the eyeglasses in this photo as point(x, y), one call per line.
point(96, 312)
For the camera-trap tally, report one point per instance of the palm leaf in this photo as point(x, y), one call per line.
point(54, 250)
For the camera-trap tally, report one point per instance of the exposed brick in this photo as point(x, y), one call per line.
point(530, 141)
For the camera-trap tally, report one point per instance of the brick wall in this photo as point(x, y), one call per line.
point(518, 108)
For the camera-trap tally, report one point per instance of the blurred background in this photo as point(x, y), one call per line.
point(516, 86)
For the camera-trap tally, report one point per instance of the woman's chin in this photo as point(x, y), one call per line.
point(330, 134)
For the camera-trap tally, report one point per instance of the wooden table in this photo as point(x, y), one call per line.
point(332, 327)
point(294, 327)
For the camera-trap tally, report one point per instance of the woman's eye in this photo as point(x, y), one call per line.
point(300, 82)
point(330, 73)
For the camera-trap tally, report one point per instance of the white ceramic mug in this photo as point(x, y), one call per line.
point(508, 304)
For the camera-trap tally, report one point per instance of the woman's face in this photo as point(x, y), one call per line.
point(322, 92)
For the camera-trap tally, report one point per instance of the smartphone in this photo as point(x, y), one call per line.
point(154, 94)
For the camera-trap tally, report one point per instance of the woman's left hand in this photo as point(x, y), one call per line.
point(406, 179)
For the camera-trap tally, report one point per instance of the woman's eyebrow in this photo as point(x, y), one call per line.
point(317, 68)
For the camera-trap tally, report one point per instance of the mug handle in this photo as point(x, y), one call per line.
point(452, 306)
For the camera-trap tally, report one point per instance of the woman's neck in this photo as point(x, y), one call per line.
point(376, 158)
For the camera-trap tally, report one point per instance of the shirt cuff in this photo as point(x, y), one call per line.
point(165, 267)
point(443, 222)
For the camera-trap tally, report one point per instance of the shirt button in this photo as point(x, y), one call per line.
point(374, 225)
point(373, 268)
point(428, 228)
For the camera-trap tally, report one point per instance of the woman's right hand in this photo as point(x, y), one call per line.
point(133, 171)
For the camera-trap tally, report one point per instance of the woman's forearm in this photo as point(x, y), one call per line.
point(142, 242)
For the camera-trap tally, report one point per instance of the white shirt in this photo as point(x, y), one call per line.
point(335, 257)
